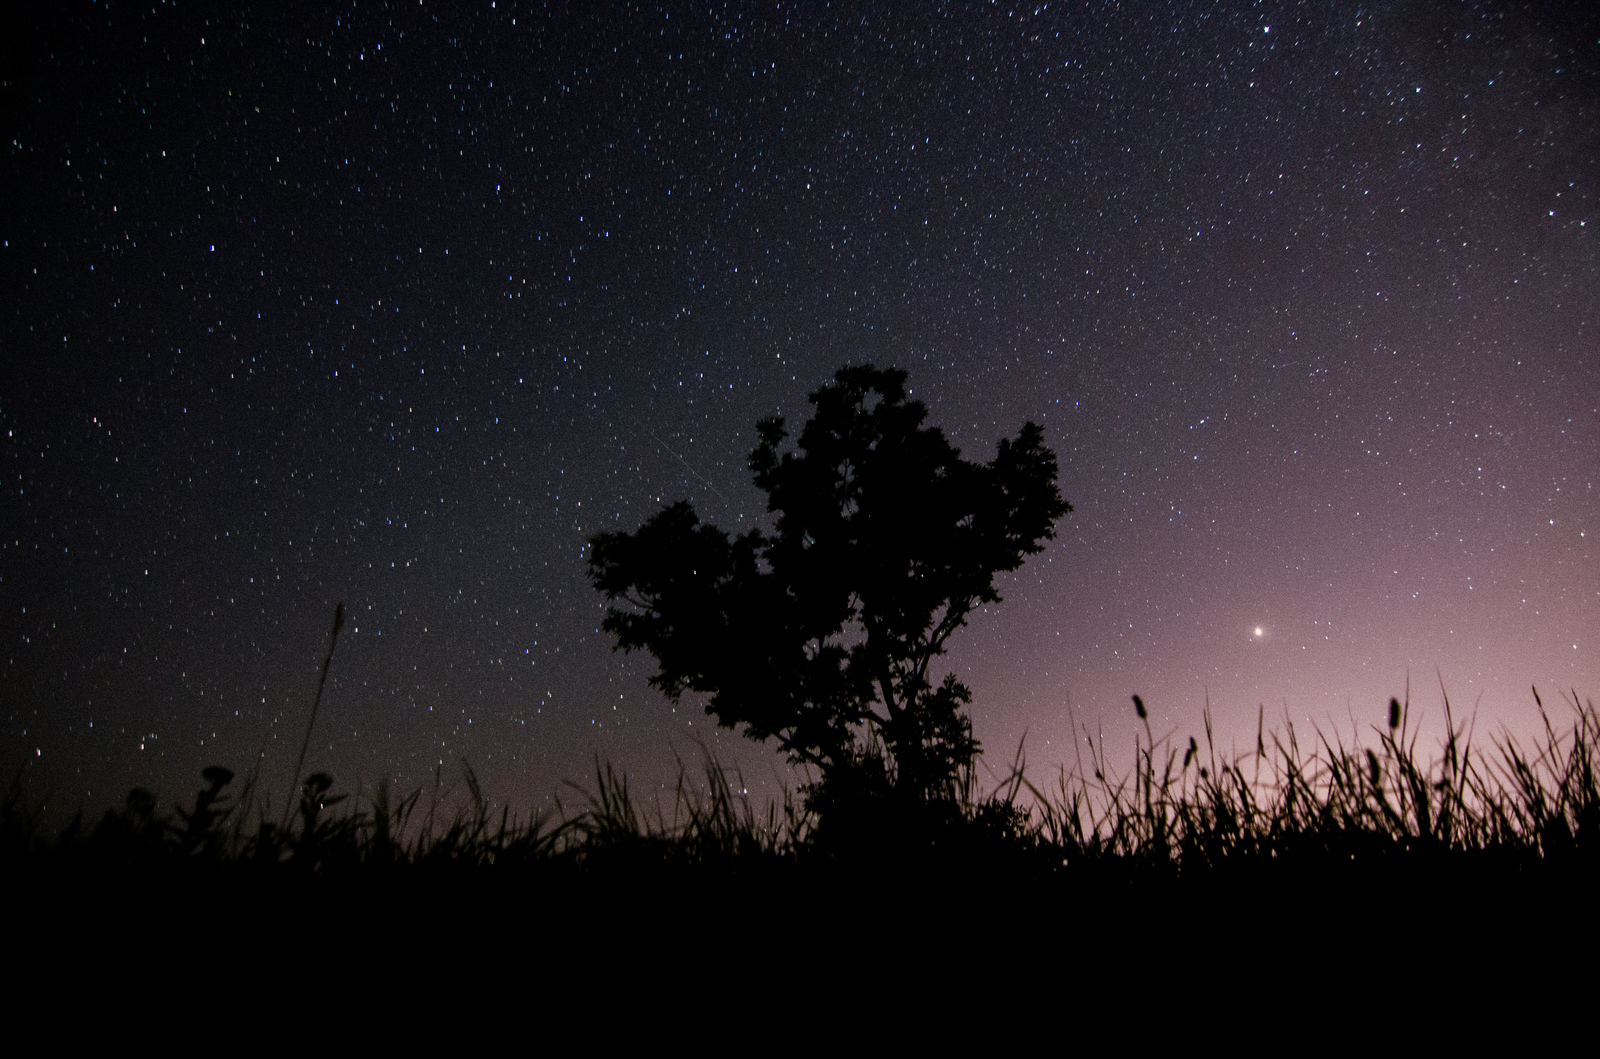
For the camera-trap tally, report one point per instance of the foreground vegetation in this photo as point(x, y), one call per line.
point(1180, 814)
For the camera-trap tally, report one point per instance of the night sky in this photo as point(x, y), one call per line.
point(398, 304)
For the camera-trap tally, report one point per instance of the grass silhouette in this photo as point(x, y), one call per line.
point(1298, 870)
point(1177, 813)
point(1334, 804)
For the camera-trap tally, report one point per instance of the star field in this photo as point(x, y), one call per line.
point(398, 304)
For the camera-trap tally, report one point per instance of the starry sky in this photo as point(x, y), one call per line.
point(398, 304)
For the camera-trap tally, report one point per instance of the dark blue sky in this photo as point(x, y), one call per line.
point(398, 304)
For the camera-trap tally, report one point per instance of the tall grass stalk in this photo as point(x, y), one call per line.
point(300, 762)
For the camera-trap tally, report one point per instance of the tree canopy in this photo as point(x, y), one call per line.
point(821, 634)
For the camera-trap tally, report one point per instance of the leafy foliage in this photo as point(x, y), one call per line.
point(822, 634)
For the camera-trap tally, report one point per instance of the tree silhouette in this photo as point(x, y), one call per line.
point(821, 634)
